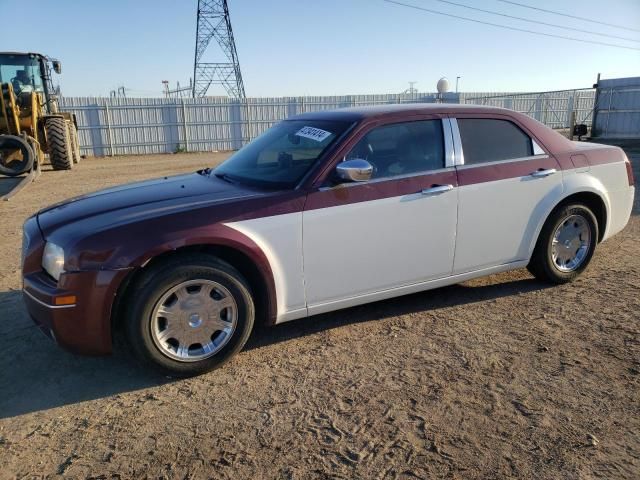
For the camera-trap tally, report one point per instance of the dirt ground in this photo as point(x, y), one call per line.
point(502, 377)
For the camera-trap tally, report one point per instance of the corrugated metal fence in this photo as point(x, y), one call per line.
point(122, 126)
point(617, 111)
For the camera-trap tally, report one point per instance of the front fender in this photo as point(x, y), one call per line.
point(140, 248)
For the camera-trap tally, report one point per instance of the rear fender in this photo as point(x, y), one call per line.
point(573, 184)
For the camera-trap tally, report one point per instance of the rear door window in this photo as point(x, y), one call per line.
point(489, 140)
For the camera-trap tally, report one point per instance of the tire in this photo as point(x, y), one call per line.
point(59, 142)
point(75, 145)
point(576, 228)
point(193, 316)
point(11, 165)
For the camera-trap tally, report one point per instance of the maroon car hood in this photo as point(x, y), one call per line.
point(172, 192)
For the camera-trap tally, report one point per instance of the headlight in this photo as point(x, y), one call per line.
point(53, 260)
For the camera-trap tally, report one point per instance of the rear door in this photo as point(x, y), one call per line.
point(389, 232)
point(506, 183)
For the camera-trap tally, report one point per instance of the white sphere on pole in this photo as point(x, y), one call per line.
point(443, 85)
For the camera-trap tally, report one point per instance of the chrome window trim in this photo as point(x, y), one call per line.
point(457, 142)
point(537, 149)
point(387, 179)
point(449, 148)
point(509, 160)
point(37, 300)
point(538, 152)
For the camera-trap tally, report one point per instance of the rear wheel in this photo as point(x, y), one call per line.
point(189, 315)
point(75, 145)
point(565, 245)
point(59, 141)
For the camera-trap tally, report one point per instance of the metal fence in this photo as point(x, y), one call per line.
point(123, 126)
point(555, 108)
point(617, 109)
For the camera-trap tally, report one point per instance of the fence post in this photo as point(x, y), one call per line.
point(572, 125)
point(537, 113)
point(595, 107)
point(184, 126)
point(247, 121)
point(109, 134)
point(571, 114)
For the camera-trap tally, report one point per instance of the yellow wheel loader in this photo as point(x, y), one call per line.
point(31, 124)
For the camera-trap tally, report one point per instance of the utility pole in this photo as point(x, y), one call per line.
point(119, 93)
point(411, 90)
point(214, 23)
point(178, 92)
point(457, 80)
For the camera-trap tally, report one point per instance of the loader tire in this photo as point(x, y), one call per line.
point(16, 156)
point(59, 141)
point(75, 145)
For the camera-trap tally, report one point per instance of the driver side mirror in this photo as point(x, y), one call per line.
point(57, 66)
point(354, 170)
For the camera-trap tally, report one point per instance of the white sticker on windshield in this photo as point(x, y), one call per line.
point(313, 133)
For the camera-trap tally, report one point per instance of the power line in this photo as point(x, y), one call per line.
point(459, 17)
point(570, 16)
point(537, 21)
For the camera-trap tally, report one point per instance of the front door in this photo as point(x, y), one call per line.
point(395, 230)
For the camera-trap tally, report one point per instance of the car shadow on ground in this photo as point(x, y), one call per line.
point(432, 300)
point(37, 375)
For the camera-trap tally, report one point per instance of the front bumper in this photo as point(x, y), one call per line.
point(84, 327)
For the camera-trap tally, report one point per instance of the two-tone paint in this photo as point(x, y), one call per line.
point(320, 247)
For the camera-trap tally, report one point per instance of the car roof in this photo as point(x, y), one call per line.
point(381, 111)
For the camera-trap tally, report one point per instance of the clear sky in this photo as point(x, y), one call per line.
point(324, 47)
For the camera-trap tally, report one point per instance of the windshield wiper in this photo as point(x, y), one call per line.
point(225, 177)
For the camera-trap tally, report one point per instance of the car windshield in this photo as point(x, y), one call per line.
point(282, 155)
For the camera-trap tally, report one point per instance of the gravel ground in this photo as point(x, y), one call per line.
point(501, 377)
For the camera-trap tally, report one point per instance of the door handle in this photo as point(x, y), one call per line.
point(436, 189)
point(543, 173)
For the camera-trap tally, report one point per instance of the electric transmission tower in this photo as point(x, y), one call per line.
point(214, 23)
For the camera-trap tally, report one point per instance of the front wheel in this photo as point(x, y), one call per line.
point(59, 142)
point(189, 315)
point(566, 244)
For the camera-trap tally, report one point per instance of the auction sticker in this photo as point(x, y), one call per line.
point(313, 133)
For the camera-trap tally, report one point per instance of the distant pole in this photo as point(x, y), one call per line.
point(412, 90)
point(457, 80)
